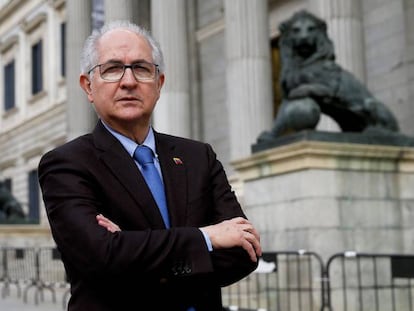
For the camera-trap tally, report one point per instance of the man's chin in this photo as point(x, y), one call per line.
point(132, 118)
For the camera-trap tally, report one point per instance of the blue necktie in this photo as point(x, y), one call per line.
point(145, 158)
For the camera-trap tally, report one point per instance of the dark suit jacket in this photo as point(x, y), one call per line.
point(144, 267)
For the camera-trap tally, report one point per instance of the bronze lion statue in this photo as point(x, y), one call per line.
point(10, 208)
point(313, 83)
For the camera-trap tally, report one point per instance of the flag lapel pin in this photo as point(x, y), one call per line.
point(177, 161)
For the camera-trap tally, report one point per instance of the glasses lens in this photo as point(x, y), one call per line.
point(144, 71)
point(111, 71)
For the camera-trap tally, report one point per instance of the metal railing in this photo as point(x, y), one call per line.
point(363, 281)
point(348, 281)
point(31, 269)
point(284, 281)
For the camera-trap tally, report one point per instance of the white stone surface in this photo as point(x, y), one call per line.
point(331, 210)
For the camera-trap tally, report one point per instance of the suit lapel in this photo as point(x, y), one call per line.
point(123, 167)
point(175, 178)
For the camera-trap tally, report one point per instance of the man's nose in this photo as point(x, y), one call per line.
point(128, 78)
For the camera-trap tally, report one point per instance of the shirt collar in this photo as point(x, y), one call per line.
point(131, 145)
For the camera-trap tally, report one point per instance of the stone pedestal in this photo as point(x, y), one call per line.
point(25, 236)
point(330, 192)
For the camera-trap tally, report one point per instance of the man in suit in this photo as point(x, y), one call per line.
point(118, 251)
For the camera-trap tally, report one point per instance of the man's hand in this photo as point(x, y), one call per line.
point(235, 232)
point(106, 223)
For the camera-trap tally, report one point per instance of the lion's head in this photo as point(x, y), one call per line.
point(304, 39)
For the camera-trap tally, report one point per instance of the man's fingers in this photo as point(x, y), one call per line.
point(253, 237)
point(247, 226)
point(107, 224)
point(250, 250)
point(255, 244)
point(255, 233)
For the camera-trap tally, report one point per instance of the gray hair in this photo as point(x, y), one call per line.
point(89, 57)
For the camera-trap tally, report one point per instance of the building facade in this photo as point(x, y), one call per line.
point(222, 69)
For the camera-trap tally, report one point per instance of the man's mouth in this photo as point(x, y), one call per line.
point(128, 98)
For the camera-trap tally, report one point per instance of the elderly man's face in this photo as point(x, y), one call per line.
point(127, 102)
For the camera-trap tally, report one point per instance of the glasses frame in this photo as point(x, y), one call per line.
point(126, 66)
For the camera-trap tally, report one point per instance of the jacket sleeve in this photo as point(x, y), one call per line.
point(230, 265)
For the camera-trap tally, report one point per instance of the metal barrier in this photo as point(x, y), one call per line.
point(31, 268)
point(349, 281)
point(20, 269)
point(284, 281)
point(51, 272)
point(3, 269)
point(287, 280)
point(361, 281)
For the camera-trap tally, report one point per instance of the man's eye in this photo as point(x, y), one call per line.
point(111, 68)
point(142, 68)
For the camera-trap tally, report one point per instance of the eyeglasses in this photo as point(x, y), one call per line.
point(113, 71)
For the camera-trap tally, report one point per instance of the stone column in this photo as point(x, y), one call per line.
point(249, 89)
point(132, 10)
point(168, 24)
point(344, 20)
point(80, 114)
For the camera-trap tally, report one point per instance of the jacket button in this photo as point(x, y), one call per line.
point(174, 271)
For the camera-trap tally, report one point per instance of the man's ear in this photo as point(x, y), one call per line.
point(85, 84)
point(161, 80)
